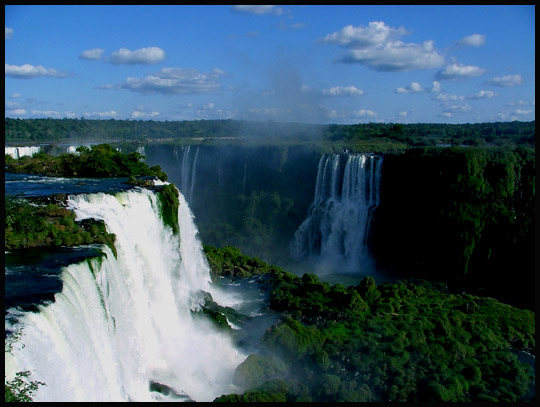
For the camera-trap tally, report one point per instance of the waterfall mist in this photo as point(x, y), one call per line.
point(122, 327)
point(333, 237)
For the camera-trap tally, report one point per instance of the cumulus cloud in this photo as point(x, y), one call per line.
point(15, 112)
point(414, 87)
point(149, 55)
point(513, 115)
point(459, 71)
point(378, 47)
point(257, 9)
point(452, 109)
point(92, 54)
point(443, 97)
point(9, 33)
point(174, 81)
point(508, 80)
point(474, 40)
point(47, 113)
point(343, 91)
point(364, 113)
point(28, 71)
point(435, 87)
point(101, 115)
point(483, 94)
point(139, 113)
point(376, 33)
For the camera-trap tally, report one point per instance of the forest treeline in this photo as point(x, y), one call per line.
point(381, 137)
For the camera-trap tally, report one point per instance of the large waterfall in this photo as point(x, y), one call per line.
point(123, 327)
point(18, 152)
point(335, 231)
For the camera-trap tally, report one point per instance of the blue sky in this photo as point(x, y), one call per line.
point(317, 64)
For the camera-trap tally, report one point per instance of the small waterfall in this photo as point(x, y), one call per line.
point(18, 152)
point(187, 161)
point(337, 226)
point(123, 326)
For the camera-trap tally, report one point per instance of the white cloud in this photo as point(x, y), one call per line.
point(448, 98)
point(15, 112)
point(9, 33)
point(474, 40)
point(364, 113)
point(257, 9)
point(459, 71)
point(101, 115)
point(509, 80)
point(414, 87)
point(174, 81)
point(513, 115)
point(461, 108)
point(139, 113)
point(483, 94)
point(376, 33)
point(92, 54)
point(343, 91)
point(378, 47)
point(27, 71)
point(149, 55)
point(46, 113)
point(15, 96)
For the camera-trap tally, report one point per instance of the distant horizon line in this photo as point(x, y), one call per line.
point(272, 121)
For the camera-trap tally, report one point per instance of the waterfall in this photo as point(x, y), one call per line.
point(188, 163)
point(122, 327)
point(337, 226)
point(18, 152)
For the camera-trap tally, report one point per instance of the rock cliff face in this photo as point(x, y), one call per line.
point(464, 216)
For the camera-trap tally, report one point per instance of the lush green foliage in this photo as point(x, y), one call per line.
point(31, 225)
point(230, 262)
point(462, 215)
point(409, 342)
point(377, 137)
point(168, 198)
point(99, 161)
point(504, 134)
point(20, 389)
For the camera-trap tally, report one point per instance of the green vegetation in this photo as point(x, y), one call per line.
point(20, 389)
point(168, 198)
point(218, 314)
point(99, 161)
point(374, 137)
point(407, 342)
point(230, 262)
point(461, 215)
point(31, 225)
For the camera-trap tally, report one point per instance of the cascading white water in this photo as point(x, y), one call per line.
point(188, 163)
point(18, 152)
point(337, 224)
point(121, 324)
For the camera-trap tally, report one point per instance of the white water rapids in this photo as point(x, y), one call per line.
point(121, 324)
